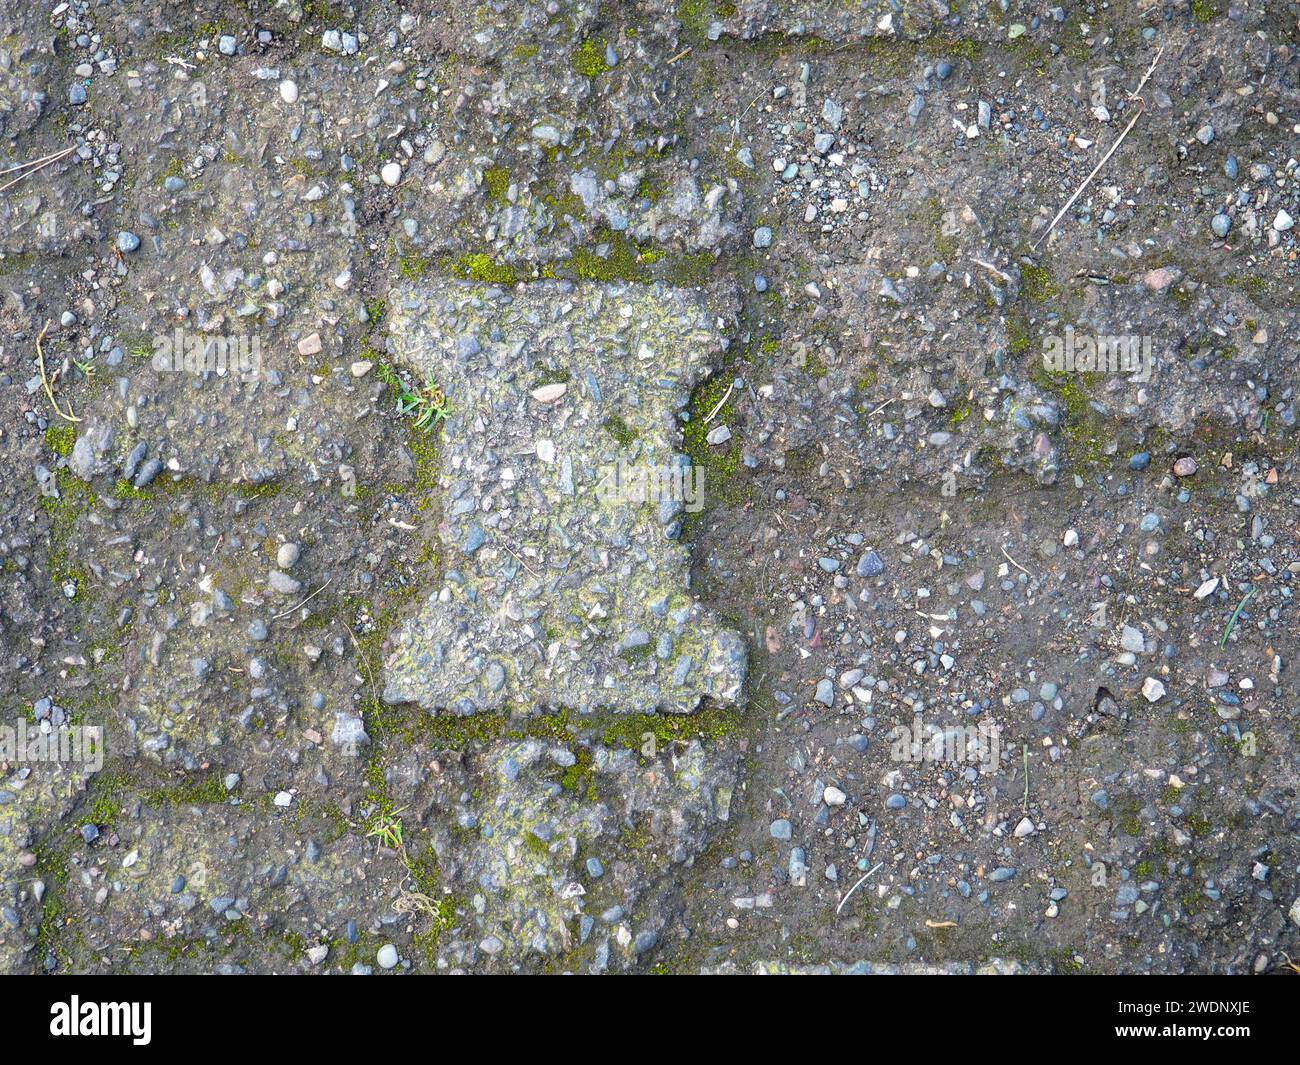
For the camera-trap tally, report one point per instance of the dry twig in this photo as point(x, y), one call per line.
point(721, 403)
point(35, 165)
point(1105, 158)
point(1015, 563)
point(40, 362)
point(861, 881)
point(309, 598)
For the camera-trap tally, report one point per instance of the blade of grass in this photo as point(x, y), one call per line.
point(1232, 621)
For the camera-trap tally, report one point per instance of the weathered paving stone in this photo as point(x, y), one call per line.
point(819, 18)
point(991, 967)
point(212, 896)
point(519, 844)
point(556, 591)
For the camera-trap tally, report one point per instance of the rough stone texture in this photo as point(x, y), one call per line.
point(196, 880)
point(556, 594)
point(820, 19)
point(514, 828)
point(992, 967)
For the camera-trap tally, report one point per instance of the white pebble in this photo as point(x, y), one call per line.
point(549, 393)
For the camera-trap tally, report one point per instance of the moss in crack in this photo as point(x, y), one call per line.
point(654, 732)
point(247, 490)
point(52, 868)
point(322, 817)
point(552, 375)
point(482, 267)
point(945, 246)
point(622, 261)
point(1030, 53)
point(639, 653)
point(413, 265)
point(1019, 338)
point(696, 15)
point(804, 459)
point(424, 450)
point(1127, 819)
point(207, 790)
point(1083, 426)
point(561, 202)
point(125, 490)
point(408, 724)
point(1074, 44)
point(74, 502)
point(813, 366)
point(105, 796)
point(437, 906)
point(16, 261)
point(635, 838)
point(1255, 286)
point(956, 48)
point(720, 462)
point(689, 271)
point(558, 726)
point(1192, 902)
point(652, 189)
point(441, 918)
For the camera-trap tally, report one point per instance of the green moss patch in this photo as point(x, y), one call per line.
point(588, 59)
point(721, 463)
point(60, 439)
point(1037, 284)
point(482, 267)
point(635, 731)
point(497, 182)
point(620, 430)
